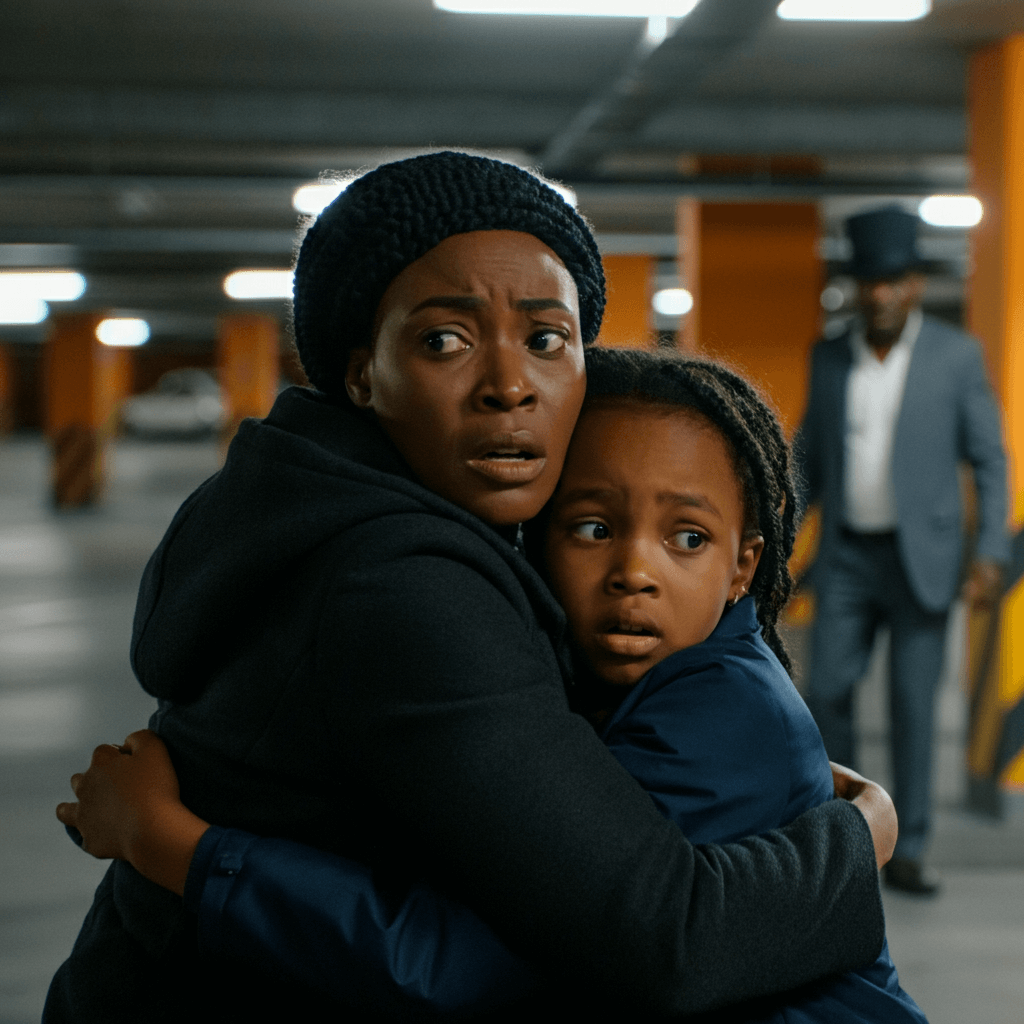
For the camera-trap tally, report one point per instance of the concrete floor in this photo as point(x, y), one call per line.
point(67, 592)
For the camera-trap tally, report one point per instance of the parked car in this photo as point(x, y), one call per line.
point(184, 403)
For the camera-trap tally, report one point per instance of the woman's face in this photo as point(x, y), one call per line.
point(476, 371)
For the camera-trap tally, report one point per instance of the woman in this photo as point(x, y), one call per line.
point(351, 651)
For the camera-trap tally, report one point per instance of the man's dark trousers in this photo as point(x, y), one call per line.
point(863, 588)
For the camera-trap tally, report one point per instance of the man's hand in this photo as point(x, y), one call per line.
point(129, 808)
point(984, 585)
point(874, 803)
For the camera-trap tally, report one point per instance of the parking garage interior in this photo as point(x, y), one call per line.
point(156, 148)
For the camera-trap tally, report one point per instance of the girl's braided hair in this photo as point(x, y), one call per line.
point(752, 431)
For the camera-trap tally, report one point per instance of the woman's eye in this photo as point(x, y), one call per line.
point(591, 531)
point(547, 341)
point(689, 540)
point(444, 342)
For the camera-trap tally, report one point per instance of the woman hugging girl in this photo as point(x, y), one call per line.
point(667, 543)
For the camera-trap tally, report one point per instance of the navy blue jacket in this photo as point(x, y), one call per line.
point(719, 737)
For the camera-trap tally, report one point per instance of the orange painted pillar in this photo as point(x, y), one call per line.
point(6, 391)
point(628, 321)
point(755, 275)
point(249, 365)
point(688, 236)
point(84, 383)
point(996, 316)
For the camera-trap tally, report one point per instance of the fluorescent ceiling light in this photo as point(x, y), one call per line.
point(951, 211)
point(22, 309)
point(832, 298)
point(123, 332)
point(672, 302)
point(853, 10)
point(259, 284)
point(52, 286)
point(568, 194)
point(574, 8)
point(313, 198)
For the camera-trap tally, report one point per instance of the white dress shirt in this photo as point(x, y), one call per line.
point(874, 392)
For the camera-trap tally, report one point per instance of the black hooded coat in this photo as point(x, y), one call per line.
point(344, 658)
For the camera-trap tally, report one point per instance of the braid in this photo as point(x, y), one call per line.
point(759, 448)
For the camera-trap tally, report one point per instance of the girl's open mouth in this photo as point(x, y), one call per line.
point(634, 636)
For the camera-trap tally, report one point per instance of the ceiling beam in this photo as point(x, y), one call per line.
point(270, 117)
point(813, 128)
point(624, 105)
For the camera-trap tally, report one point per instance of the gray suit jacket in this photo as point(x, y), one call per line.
point(948, 415)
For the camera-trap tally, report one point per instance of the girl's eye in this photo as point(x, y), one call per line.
point(688, 540)
point(591, 531)
point(444, 342)
point(547, 342)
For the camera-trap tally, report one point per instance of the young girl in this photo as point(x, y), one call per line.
point(667, 543)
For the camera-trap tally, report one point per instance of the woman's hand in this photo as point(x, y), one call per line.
point(874, 803)
point(129, 808)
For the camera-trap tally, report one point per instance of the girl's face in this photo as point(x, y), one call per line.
point(645, 542)
point(476, 371)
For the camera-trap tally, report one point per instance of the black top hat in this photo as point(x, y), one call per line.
point(884, 243)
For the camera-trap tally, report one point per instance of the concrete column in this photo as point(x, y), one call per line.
point(627, 316)
point(756, 279)
point(996, 316)
point(84, 384)
point(249, 365)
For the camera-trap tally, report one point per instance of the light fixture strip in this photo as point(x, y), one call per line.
point(573, 8)
point(258, 284)
point(22, 309)
point(951, 211)
point(49, 285)
point(853, 10)
point(314, 197)
point(123, 332)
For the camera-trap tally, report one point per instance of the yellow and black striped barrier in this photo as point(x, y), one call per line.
point(995, 746)
point(995, 675)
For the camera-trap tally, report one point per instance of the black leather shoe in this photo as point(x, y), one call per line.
point(911, 876)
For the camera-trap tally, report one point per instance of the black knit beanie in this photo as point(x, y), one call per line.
point(398, 212)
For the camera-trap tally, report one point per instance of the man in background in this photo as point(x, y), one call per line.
point(896, 403)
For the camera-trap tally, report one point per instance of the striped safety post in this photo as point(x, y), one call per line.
point(995, 746)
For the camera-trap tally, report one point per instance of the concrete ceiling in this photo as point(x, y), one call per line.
point(156, 143)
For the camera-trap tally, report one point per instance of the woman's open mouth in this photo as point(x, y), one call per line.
point(510, 459)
